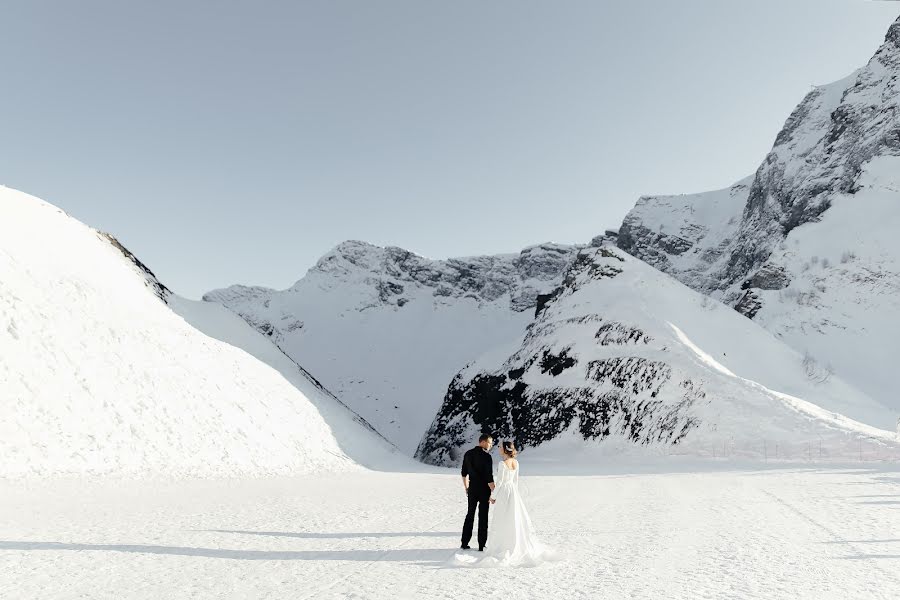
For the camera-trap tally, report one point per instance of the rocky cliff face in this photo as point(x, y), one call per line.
point(518, 277)
point(819, 154)
point(386, 329)
point(687, 236)
point(604, 359)
point(802, 246)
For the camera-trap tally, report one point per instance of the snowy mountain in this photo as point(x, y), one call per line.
point(623, 351)
point(386, 329)
point(807, 246)
point(104, 371)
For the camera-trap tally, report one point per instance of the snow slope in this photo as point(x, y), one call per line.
point(100, 376)
point(842, 304)
point(621, 350)
point(386, 330)
point(807, 247)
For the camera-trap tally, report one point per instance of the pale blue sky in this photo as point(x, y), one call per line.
point(236, 142)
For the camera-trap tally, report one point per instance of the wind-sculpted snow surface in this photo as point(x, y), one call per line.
point(386, 329)
point(807, 246)
point(623, 351)
point(104, 371)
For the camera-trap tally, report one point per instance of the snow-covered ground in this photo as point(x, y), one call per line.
point(677, 530)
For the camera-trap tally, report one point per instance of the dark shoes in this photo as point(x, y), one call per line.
point(465, 547)
point(481, 548)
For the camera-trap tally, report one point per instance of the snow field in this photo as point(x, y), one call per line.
point(681, 531)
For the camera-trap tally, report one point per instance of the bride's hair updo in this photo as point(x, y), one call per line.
point(509, 449)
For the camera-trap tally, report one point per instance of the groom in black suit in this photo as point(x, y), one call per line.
point(478, 480)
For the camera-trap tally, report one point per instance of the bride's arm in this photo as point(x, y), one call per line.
point(498, 482)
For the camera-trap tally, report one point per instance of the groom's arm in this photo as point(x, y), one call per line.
point(465, 474)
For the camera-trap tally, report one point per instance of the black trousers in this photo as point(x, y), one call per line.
point(482, 501)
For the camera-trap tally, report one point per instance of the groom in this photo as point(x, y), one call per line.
point(478, 480)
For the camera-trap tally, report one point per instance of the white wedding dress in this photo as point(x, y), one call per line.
point(511, 539)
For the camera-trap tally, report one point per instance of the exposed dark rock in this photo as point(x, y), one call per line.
point(585, 265)
point(619, 334)
point(631, 374)
point(543, 300)
point(517, 373)
point(161, 291)
point(893, 34)
point(293, 325)
point(607, 238)
point(555, 364)
point(531, 417)
point(749, 304)
point(386, 289)
point(643, 243)
point(769, 277)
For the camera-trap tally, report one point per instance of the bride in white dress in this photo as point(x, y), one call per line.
point(511, 539)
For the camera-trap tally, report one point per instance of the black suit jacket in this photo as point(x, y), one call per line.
point(479, 466)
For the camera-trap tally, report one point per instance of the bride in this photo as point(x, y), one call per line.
point(512, 541)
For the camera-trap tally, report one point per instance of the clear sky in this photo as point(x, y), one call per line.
point(236, 142)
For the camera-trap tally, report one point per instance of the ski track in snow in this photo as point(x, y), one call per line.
point(813, 532)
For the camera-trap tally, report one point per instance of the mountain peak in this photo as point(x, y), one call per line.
point(807, 250)
point(893, 34)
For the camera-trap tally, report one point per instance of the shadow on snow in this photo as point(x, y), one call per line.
point(330, 536)
point(420, 555)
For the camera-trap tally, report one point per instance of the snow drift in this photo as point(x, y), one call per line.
point(99, 375)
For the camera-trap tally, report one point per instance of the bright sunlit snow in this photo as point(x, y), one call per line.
point(684, 532)
point(100, 376)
